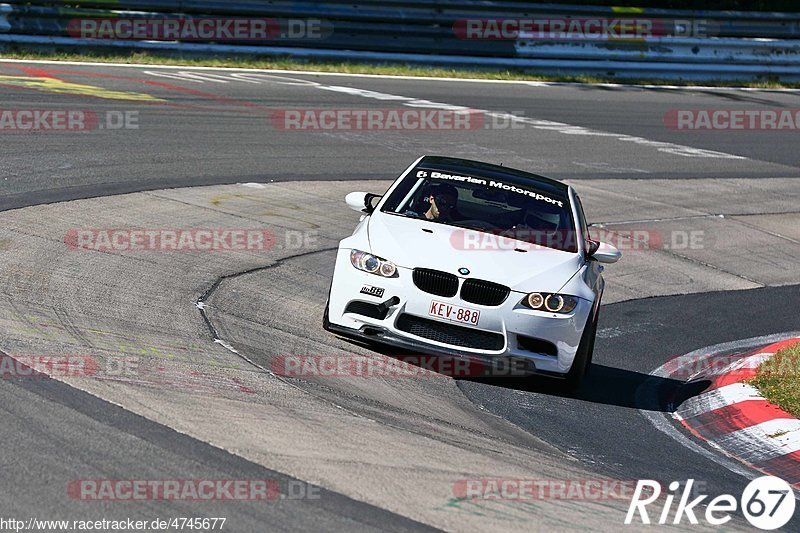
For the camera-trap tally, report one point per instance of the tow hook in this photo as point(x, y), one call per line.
point(384, 306)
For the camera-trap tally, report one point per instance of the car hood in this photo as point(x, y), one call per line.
point(412, 243)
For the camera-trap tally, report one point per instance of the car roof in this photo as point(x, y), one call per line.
point(489, 170)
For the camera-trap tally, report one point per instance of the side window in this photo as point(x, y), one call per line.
point(584, 227)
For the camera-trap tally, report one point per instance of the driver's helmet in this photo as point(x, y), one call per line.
point(444, 194)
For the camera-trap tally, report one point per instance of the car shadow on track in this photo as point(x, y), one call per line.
point(611, 386)
point(602, 384)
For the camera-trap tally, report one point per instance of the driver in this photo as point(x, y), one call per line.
point(441, 201)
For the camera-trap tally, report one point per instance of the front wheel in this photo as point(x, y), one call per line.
point(583, 357)
point(326, 321)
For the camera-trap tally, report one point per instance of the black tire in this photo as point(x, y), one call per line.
point(583, 357)
point(326, 322)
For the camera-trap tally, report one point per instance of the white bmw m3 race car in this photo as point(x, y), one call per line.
point(472, 260)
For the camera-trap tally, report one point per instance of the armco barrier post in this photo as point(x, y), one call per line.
point(5, 9)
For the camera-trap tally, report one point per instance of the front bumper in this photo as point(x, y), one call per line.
point(511, 320)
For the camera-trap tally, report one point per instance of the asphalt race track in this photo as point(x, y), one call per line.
point(204, 401)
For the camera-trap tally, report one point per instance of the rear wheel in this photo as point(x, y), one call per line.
point(583, 357)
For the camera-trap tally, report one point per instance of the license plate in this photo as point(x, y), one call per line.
point(454, 313)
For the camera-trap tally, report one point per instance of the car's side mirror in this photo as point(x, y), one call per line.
point(362, 201)
point(603, 252)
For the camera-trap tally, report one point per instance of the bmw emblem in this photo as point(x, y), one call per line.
point(463, 271)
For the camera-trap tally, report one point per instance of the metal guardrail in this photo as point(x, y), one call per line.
point(445, 12)
point(691, 51)
point(744, 44)
point(622, 69)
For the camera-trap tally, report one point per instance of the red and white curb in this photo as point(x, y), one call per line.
point(734, 417)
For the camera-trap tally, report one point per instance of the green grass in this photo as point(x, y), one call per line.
point(358, 68)
point(778, 379)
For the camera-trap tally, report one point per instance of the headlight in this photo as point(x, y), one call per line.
point(372, 264)
point(554, 303)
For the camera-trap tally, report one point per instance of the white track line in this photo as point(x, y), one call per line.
point(422, 78)
point(547, 125)
point(764, 441)
point(708, 401)
point(751, 361)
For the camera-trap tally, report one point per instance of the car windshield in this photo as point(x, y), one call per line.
point(509, 206)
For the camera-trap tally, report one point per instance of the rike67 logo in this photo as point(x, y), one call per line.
point(767, 503)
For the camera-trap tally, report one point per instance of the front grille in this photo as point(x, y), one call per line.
point(435, 282)
point(450, 333)
point(366, 309)
point(483, 292)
